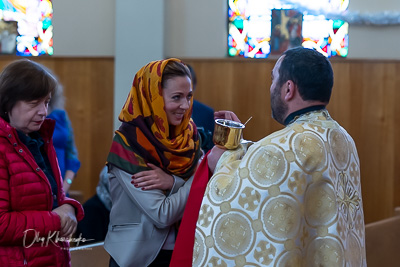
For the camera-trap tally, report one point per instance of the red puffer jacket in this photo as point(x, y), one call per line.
point(28, 227)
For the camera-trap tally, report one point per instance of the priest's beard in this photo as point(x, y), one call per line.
point(278, 107)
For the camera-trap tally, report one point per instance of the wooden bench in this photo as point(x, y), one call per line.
point(382, 240)
point(77, 195)
point(90, 255)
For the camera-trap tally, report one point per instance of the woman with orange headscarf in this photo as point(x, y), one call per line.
point(151, 163)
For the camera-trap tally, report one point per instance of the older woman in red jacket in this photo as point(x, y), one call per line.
point(36, 219)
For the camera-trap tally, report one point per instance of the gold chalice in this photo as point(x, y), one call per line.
point(227, 133)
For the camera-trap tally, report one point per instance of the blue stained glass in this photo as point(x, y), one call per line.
point(250, 27)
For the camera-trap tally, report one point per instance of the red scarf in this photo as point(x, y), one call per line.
point(183, 250)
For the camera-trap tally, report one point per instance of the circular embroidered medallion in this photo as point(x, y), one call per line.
point(281, 218)
point(320, 204)
point(310, 151)
point(268, 166)
point(233, 234)
point(290, 258)
point(339, 149)
point(325, 252)
point(199, 254)
point(223, 187)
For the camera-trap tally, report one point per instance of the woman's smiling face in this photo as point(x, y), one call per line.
point(177, 94)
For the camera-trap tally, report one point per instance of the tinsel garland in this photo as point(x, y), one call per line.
point(384, 18)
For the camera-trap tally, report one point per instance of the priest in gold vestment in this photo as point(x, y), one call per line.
point(294, 197)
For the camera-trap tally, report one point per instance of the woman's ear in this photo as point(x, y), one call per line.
point(290, 90)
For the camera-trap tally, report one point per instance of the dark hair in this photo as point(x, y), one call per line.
point(24, 80)
point(194, 78)
point(174, 69)
point(310, 71)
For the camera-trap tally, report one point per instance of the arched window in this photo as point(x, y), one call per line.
point(259, 28)
point(26, 27)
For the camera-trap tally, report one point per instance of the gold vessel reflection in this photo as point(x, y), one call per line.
point(227, 133)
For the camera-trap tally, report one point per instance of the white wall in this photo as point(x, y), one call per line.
point(374, 5)
point(139, 31)
point(374, 42)
point(196, 28)
point(84, 27)
point(139, 39)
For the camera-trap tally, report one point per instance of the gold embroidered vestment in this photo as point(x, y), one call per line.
point(293, 199)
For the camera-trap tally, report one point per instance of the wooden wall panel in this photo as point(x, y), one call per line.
point(364, 101)
point(242, 87)
point(88, 87)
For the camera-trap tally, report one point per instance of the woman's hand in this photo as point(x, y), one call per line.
point(213, 157)
point(226, 114)
point(153, 179)
point(68, 219)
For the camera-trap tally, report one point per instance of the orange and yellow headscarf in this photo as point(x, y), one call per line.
point(144, 136)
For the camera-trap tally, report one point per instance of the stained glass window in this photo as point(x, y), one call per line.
point(32, 19)
point(258, 28)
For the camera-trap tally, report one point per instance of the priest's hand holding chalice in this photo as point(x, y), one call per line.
point(228, 135)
